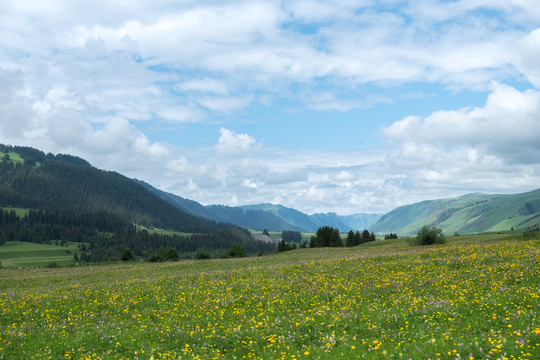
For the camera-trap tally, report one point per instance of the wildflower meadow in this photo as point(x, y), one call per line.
point(460, 300)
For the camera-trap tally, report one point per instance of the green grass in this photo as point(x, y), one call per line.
point(476, 297)
point(19, 211)
point(152, 231)
point(22, 254)
point(14, 157)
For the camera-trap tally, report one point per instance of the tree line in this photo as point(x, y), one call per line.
point(327, 236)
point(106, 235)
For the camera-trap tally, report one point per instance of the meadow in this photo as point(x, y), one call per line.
point(23, 254)
point(472, 298)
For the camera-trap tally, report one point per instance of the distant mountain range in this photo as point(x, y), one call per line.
point(268, 216)
point(33, 179)
point(470, 213)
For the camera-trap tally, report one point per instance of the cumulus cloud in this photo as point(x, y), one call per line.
point(505, 126)
point(231, 143)
point(529, 60)
point(112, 80)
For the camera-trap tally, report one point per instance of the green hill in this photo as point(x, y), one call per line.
point(471, 213)
point(266, 216)
point(310, 223)
point(63, 197)
point(68, 182)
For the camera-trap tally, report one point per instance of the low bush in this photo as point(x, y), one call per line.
point(428, 235)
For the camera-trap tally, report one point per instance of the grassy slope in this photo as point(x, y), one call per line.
point(466, 214)
point(13, 156)
point(19, 211)
point(473, 297)
point(21, 254)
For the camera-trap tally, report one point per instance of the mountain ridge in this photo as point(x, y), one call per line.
point(469, 213)
point(33, 179)
point(267, 216)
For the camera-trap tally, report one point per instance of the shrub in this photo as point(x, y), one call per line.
point(164, 254)
point(171, 254)
point(235, 251)
point(428, 235)
point(155, 257)
point(127, 255)
point(202, 255)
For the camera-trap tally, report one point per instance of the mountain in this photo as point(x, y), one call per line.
point(247, 218)
point(470, 213)
point(186, 205)
point(64, 198)
point(45, 181)
point(310, 223)
point(32, 179)
point(293, 217)
point(251, 219)
point(266, 216)
point(361, 221)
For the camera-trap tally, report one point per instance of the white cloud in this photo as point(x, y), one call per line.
point(507, 124)
point(529, 61)
point(231, 143)
point(204, 85)
point(101, 80)
point(179, 167)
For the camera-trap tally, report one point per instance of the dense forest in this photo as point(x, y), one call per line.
point(67, 182)
point(70, 200)
point(104, 235)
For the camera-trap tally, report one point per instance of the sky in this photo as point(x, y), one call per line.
point(343, 106)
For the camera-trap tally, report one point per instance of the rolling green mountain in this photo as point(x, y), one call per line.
point(291, 216)
point(63, 197)
point(252, 219)
point(31, 179)
point(267, 216)
point(470, 213)
point(50, 182)
point(247, 218)
point(310, 223)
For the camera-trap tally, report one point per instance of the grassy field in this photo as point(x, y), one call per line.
point(14, 157)
point(476, 297)
point(19, 211)
point(21, 254)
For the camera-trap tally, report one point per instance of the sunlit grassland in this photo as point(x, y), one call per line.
point(21, 254)
point(152, 231)
point(473, 298)
point(21, 212)
point(13, 156)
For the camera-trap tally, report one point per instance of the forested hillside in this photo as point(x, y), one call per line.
point(67, 182)
point(251, 219)
point(68, 199)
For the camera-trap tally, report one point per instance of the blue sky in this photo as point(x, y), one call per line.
point(344, 106)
